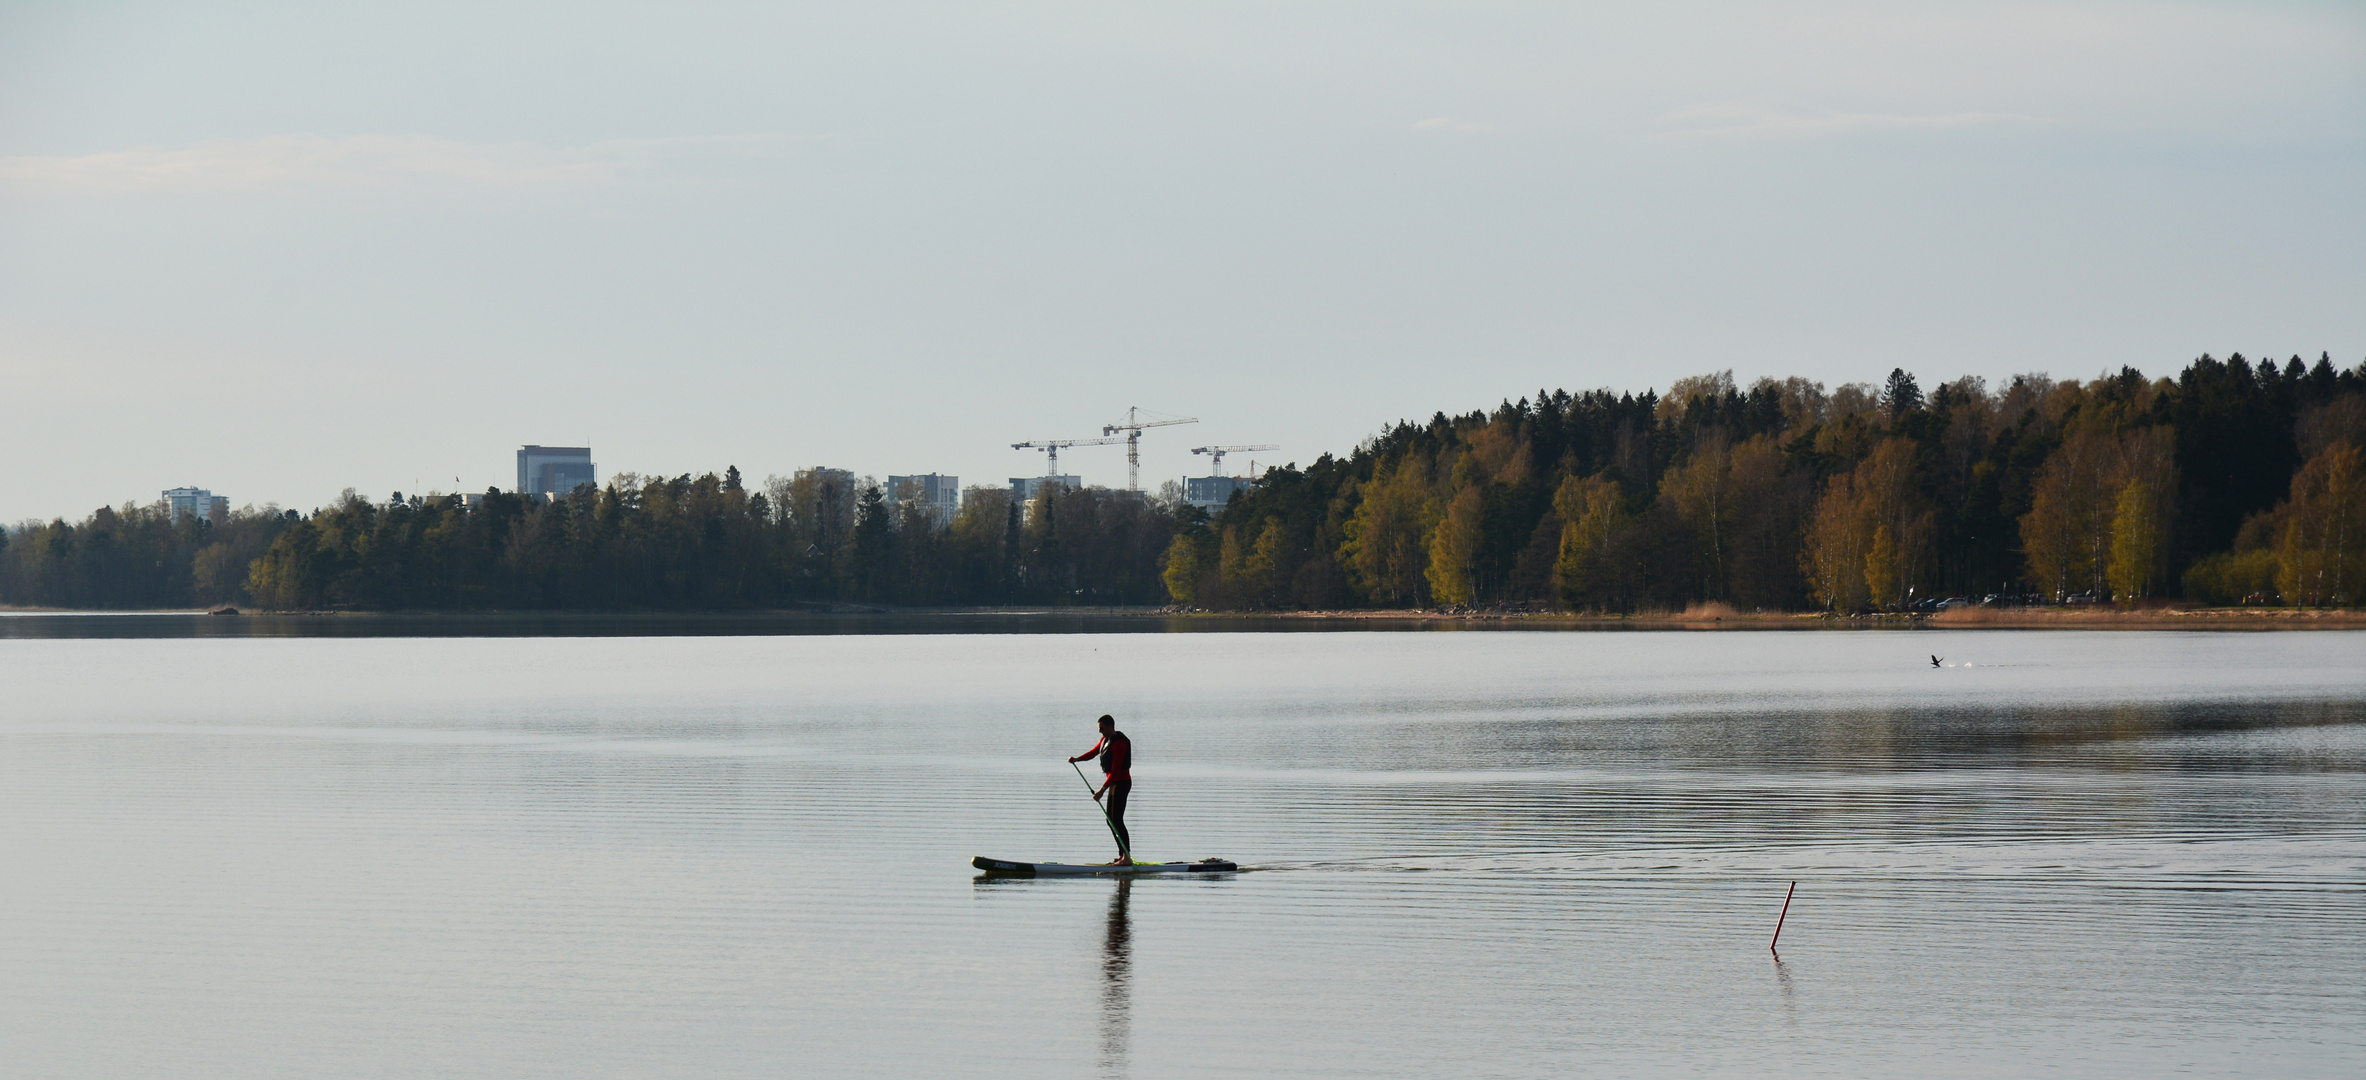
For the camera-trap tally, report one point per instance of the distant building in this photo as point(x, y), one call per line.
point(198, 503)
point(1026, 488)
point(819, 501)
point(1212, 492)
point(940, 494)
point(554, 470)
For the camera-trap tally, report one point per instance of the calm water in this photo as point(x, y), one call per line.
point(2106, 854)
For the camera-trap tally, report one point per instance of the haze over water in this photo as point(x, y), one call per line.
point(1503, 854)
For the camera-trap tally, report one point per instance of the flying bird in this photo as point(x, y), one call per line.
point(1935, 662)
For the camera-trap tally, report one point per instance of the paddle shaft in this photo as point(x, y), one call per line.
point(1105, 818)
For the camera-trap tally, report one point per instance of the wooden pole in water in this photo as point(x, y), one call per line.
point(1778, 934)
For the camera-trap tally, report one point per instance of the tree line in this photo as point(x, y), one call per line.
point(711, 542)
point(638, 543)
point(136, 557)
point(2232, 483)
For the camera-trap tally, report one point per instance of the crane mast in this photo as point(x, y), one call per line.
point(1132, 426)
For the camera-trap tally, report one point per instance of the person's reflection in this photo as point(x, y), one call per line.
point(1117, 962)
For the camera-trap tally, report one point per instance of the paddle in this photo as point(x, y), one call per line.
point(1105, 818)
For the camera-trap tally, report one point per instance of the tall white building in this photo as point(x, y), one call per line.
point(1212, 492)
point(554, 470)
point(940, 494)
point(197, 502)
point(1026, 488)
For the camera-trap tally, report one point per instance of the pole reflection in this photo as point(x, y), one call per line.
point(1117, 963)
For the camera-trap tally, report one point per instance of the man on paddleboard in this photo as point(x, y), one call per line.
point(1117, 781)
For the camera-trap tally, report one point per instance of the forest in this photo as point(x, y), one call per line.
point(2233, 483)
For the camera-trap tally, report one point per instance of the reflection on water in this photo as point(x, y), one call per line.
point(1506, 854)
point(1117, 964)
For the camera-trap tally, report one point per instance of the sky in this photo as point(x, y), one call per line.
point(278, 250)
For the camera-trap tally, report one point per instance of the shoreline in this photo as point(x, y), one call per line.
point(1957, 619)
point(2153, 618)
point(851, 616)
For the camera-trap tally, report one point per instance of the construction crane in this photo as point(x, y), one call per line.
point(1216, 465)
point(1132, 426)
point(1051, 449)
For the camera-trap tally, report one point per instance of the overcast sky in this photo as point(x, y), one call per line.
point(282, 250)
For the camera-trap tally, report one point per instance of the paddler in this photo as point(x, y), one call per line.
point(1117, 781)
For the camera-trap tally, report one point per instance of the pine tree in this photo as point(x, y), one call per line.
point(1900, 396)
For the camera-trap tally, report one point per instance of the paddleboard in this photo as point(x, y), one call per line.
point(1027, 869)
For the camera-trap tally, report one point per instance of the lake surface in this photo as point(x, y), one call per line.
point(1482, 854)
